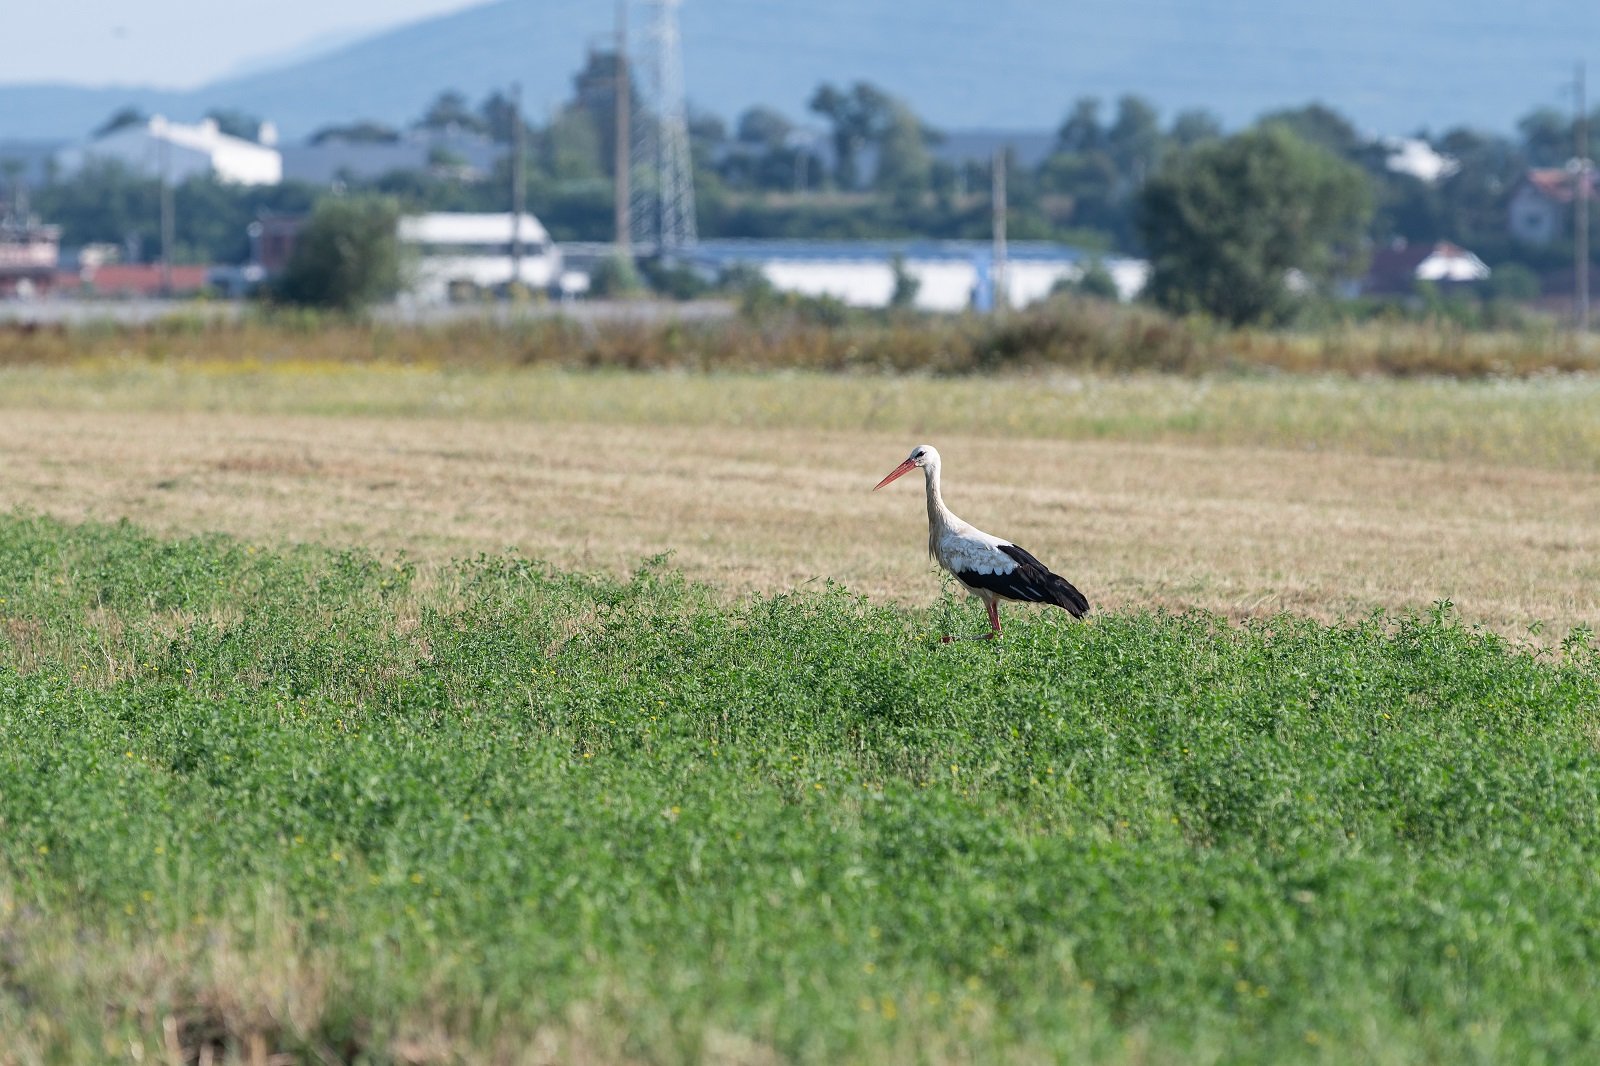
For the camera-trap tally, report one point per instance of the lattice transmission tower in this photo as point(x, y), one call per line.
point(662, 216)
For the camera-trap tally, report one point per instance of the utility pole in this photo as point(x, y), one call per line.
point(622, 195)
point(1580, 208)
point(518, 187)
point(998, 198)
point(165, 150)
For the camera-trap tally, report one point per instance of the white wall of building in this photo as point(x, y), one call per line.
point(858, 283)
point(1028, 282)
point(1457, 264)
point(181, 152)
point(1535, 218)
point(943, 284)
point(475, 249)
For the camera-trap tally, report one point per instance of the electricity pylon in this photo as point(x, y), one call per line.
point(663, 183)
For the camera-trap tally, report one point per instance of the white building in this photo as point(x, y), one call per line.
point(475, 250)
point(1448, 262)
point(1416, 157)
point(180, 152)
point(1396, 269)
point(950, 275)
point(471, 156)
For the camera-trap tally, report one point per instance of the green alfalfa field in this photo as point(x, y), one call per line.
point(259, 800)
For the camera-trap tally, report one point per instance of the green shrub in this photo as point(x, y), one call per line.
point(616, 276)
point(346, 257)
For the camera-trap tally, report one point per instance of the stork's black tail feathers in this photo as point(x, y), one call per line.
point(1068, 596)
point(1031, 581)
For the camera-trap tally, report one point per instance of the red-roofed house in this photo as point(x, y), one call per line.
point(1539, 207)
point(132, 279)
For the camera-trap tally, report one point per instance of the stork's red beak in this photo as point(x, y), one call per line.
point(903, 468)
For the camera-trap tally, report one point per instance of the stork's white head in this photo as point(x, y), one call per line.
point(923, 455)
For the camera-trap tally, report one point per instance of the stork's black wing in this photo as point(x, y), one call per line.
point(1031, 580)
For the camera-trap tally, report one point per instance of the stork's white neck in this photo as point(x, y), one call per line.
point(939, 516)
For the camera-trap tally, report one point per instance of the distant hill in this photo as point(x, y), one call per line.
point(1002, 64)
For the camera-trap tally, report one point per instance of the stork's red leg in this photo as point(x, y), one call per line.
point(994, 624)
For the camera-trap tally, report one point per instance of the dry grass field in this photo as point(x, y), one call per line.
point(1240, 496)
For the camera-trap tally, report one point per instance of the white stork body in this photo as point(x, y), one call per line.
point(990, 568)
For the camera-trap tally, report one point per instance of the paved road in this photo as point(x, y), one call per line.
point(140, 312)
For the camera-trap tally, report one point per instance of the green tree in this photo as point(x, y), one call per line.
point(708, 138)
point(1322, 126)
point(441, 158)
point(1191, 127)
point(905, 166)
point(365, 131)
point(1087, 183)
point(1089, 180)
point(1097, 281)
point(1081, 132)
point(906, 285)
point(212, 217)
point(1513, 282)
point(1472, 199)
point(570, 148)
point(674, 280)
point(1134, 140)
point(121, 119)
point(763, 126)
point(235, 123)
point(866, 116)
point(346, 257)
point(615, 276)
point(1548, 137)
point(594, 97)
point(15, 188)
point(764, 156)
point(449, 111)
point(104, 202)
point(1408, 208)
point(500, 115)
point(1225, 223)
point(859, 118)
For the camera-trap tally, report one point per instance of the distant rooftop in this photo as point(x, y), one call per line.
point(730, 251)
point(1416, 157)
point(451, 227)
point(1557, 183)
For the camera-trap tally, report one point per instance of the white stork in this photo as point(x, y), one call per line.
point(991, 569)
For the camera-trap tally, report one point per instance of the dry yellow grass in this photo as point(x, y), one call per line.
point(1544, 422)
point(1241, 530)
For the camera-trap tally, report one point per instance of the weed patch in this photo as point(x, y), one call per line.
point(1066, 333)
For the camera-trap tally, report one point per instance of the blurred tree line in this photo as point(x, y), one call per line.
point(861, 163)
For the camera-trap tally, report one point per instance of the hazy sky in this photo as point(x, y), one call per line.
point(179, 43)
